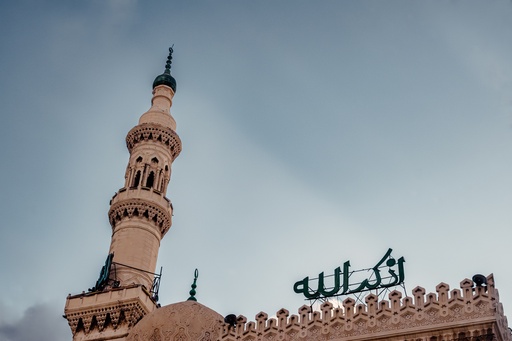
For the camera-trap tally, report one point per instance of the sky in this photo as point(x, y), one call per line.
point(313, 133)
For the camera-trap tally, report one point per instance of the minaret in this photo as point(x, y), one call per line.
point(140, 214)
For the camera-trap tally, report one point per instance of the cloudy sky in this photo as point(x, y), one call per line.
point(313, 133)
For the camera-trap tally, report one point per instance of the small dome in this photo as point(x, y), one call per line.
point(187, 320)
point(165, 79)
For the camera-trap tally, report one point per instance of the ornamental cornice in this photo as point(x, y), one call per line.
point(140, 208)
point(104, 316)
point(99, 311)
point(156, 133)
point(116, 314)
point(473, 309)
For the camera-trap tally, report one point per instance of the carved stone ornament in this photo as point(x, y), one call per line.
point(140, 208)
point(107, 316)
point(156, 133)
point(184, 321)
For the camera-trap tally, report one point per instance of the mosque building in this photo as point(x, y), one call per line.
point(123, 303)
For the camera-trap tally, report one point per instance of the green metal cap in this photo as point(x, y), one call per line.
point(166, 78)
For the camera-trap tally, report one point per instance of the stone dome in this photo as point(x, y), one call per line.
point(184, 321)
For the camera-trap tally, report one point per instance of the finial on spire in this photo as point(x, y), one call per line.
point(166, 78)
point(192, 292)
point(169, 61)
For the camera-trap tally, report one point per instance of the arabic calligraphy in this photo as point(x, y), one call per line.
point(374, 281)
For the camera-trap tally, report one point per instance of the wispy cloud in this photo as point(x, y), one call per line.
point(40, 322)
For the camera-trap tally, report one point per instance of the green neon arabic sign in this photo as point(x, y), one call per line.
point(375, 281)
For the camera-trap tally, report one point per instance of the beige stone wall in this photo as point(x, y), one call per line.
point(136, 245)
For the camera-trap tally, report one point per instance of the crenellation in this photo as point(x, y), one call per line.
point(431, 300)
point(271, 325)
point(327, 312)
point(395, 298)
point(261, 320)
point(304, 313)
point(455, 296)
point(282, 318)
point(372, 304)
point(420, 314)
point(442, 290)
point(250, 329)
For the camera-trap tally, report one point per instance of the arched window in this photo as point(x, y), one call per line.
point(155, 160)
point(151, 179)
point(139, 159)
point(136, 181)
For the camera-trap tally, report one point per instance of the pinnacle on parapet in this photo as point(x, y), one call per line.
point(192, 292)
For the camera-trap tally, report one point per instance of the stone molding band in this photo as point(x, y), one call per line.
point(155, 133)
point(129, 312)
point(131, 208)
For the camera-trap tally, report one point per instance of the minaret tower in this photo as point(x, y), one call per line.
point(140, 214)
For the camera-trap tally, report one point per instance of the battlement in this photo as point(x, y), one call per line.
point(471, 312)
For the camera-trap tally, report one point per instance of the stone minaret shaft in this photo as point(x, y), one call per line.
point(140, 214)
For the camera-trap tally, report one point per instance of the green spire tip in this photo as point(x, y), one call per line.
point(192, 292)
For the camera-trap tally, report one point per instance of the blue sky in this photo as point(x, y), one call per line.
point(313, 133)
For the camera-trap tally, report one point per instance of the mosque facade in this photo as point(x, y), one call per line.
point(123, 303)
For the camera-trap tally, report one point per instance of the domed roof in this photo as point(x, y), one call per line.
point(187, 320)
point(165, 79)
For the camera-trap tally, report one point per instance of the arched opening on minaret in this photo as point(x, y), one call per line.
point(150, 180)
point(136, 180)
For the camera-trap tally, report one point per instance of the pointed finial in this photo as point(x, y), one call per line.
point(169, 61)
point(166, 78)
point(192, 292)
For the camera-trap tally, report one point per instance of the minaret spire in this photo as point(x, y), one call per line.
point(166, 78)
point(140, 215)
point(169, 61)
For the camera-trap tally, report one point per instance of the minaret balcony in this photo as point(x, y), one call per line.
point(142, 192)
point(144, 203)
